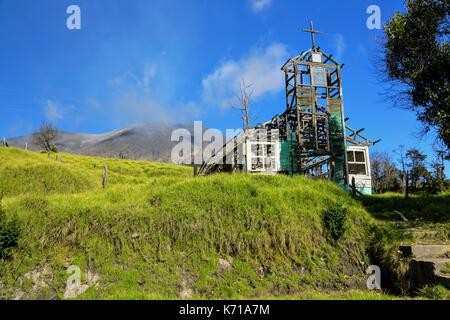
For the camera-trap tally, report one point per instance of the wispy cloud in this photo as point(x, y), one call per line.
point(137, 101)
point(135, 107)
point(54, 111)
point(138, 108)
point(149, 73)
point(340, 46)
point(258, 6)
point(135, 78)
point(261, 69)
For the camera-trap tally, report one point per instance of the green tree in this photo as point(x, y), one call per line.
point(436, 180)
point(417, 168)
point(417, 61)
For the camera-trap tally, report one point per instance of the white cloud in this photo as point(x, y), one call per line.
point(93, 104)
point(137, 101)
point(149, 74)
point(54, 111)
point(138, 107)
point(340, 46)
point(132, 79)
point(259, 5)
point(261, 68)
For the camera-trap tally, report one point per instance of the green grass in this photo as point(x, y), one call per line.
point(446, 268)
point(154, 232)
point(434, 293)
point(418, 207)
point(428, 216)
point(347, 295)
point(428, 222)
point(305, 295)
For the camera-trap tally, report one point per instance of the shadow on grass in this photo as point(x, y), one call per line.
point(421, 207)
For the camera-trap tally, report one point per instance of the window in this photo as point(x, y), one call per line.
point(262, 156)
point(356, 162)
point(356, 168)
point(359, 156)
point(351, 156)
point(319, 76)
point(317, 57)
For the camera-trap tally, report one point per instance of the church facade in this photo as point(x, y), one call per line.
point(310, 137)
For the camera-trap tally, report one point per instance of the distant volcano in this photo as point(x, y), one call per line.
point(149, 142)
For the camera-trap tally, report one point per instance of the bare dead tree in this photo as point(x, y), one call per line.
point(122, 155)
point(45, 136)
point(402, 161)
point(385, 175)
point(244, 97)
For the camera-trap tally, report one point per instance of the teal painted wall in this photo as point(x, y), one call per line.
point(288, 159)
point(287, 163)
point(367, 191)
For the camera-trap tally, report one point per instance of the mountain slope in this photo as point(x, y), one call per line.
point(150, 142)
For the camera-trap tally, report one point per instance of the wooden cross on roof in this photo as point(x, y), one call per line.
point(312, 34)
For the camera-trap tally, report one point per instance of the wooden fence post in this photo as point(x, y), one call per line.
point(121, 171)
point(49, 154)
point(105, 175)
point(353, 185)
point(195, 170)
point(26, 146)
point(407, 185)
point(57, 157)
point(95, 166)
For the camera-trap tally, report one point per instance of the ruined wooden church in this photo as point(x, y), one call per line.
point(310, 137)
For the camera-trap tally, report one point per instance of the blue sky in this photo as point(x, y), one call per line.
point(171, 61)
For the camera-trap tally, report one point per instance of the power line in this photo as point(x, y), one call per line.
point(65, 117)
point(48, 98)
point(42, 95)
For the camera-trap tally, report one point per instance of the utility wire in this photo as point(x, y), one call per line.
point(46, 97)
point(65, 117)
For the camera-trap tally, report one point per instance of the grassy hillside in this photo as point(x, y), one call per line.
point(156, 232)
point(418, 207)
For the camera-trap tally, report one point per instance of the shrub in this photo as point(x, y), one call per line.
point(335, 220)
point(435, 185)
point(54, 149)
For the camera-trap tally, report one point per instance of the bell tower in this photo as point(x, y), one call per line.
point(313, 122)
